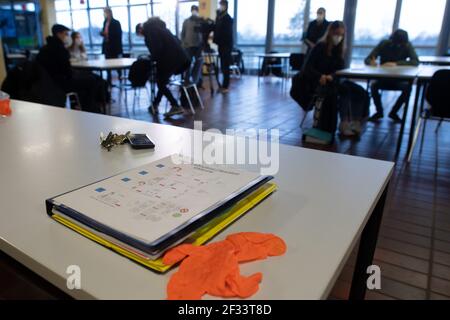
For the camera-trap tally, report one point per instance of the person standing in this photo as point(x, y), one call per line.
point(223, 37)
point(192, 42)
point(396, 51)
point(166, 50)
point(112, 37)
point(316, 29)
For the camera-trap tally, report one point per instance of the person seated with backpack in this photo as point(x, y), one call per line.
point(324, 60)
point(170, 58)
point(55, 59)
point(396, 51)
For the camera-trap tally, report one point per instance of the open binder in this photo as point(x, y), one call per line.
point(113, 219)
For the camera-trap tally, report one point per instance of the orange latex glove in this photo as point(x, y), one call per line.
point(214, 269)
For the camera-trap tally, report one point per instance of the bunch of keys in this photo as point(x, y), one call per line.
point(113, 139)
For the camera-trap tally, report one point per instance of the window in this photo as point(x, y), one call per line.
point(252, 22)
point(423, 23)
point(166, 10)
point(289, 21)
point(87, 16)
point(335, 9)
point(374, 22)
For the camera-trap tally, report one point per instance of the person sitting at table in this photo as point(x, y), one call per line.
point(171, 59)
point(316, 29)
point(55, 59)
point(396, 51)
point(77, 49)
point(324, 60)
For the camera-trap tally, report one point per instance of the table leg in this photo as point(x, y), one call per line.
point(414, 116)
point(259, 70)
point(402, 129)
point(366, 251)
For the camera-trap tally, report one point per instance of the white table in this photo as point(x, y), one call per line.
point(104, 65)
point(284, 57)
point(400, 73)
point(435, 60)
point(322, 205)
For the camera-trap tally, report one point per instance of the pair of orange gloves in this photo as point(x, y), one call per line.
point(214, 269)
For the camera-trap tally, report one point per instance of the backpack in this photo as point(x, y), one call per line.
point(359, 96)
point(140, 72)
point(302, 92)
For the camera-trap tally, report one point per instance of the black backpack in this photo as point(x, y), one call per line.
point(303, 92)
point(359, 96)
point(140, 72)
point(438, 94)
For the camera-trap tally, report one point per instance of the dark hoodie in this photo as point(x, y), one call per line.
point(55, 59)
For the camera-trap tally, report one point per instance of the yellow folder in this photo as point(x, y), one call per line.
point(200, 237)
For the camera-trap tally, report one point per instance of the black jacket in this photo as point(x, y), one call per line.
point(112, 46)
point(165, 49)
point(223, 33)
point(316, 31)
point(55, 59)
point(388, 51)
point(319, 63)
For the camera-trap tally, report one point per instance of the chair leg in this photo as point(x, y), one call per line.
point(134, 100)
point(198, 97)
point(423, 135)
point(304, 119)
point(188, 99)
point(413, 145)
point(439, 125)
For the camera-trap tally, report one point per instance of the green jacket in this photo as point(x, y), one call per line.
point(387, 51)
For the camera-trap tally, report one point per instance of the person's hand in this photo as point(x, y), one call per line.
point(329, 78)
point(389, 64)
point(323, 80)
point(373, 62)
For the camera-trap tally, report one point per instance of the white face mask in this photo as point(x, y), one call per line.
point(78, 42)
point(195, 13)
point(223, 8)
point(320, 17)
point(337, 39)
point(67, 41)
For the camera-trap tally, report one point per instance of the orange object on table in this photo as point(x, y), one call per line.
point(214, 269)
point(5, 109)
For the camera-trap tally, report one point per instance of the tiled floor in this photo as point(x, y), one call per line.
point(414, 244)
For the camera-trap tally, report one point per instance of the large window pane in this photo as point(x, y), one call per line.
point(76, 4)
point(62, 5)
point(252, 21)
point(113, 3)
point(139, 1)
point(374, 21)
point(335, 9)
point(166, 11)
point(139, 14)
point(289, 21)
point(97, 3)
point(81, 24)
point(63, 17)
point(423, 21)
point(121, 14)
point(97, 19)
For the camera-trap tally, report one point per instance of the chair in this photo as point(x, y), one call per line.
point(140, 72)
point(438, 96)
point(272, 66)
point(185, 87)
point(237, 66)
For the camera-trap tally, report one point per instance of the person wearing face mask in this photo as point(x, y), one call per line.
point(316, 29)
point(77, 49)
point(396, 51)
point(192, 42)
point(55, 59)
point(324, 60)
point(223, 37)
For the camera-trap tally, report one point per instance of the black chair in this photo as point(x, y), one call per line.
point(438, 96)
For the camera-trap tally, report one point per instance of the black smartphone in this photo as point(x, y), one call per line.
point(140, 141)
